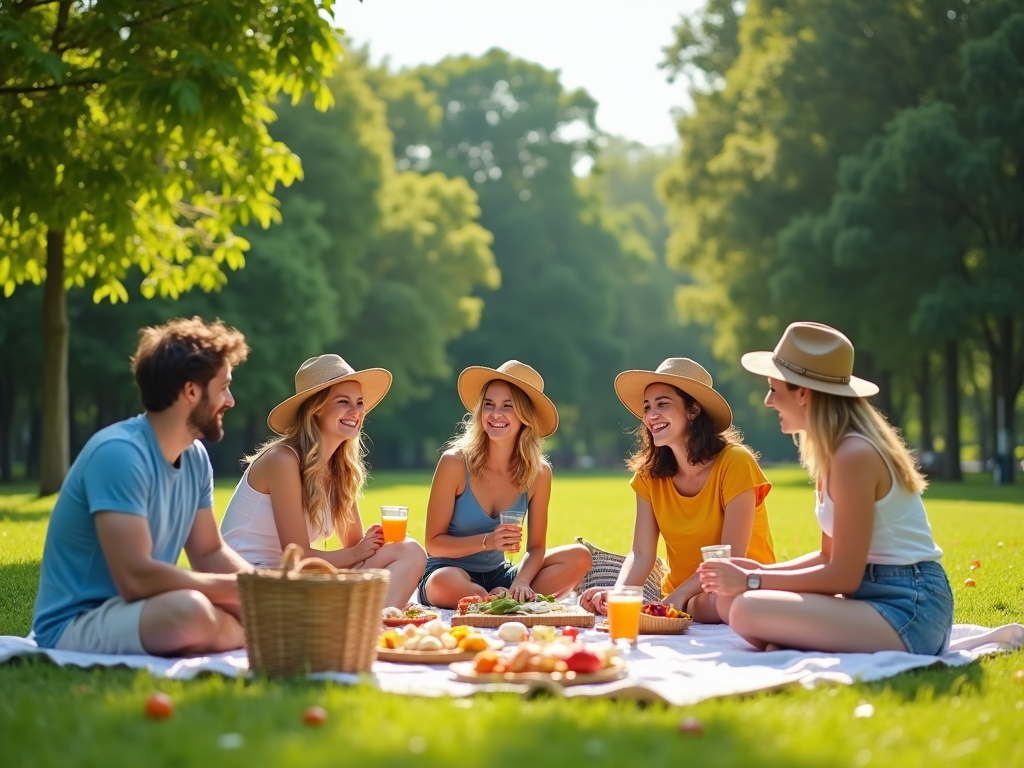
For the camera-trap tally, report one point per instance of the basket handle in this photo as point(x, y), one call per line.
point(293, 564)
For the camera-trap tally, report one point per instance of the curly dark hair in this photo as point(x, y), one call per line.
point(702, 444)
point(179, 351)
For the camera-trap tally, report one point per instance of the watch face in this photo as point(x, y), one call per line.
point(754, 581)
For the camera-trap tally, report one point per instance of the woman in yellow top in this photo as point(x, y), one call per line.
point(696, 485)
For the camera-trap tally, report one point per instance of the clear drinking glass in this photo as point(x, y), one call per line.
point(716, 552)
point(624, 612)
point(515, 518)
point(394, 521)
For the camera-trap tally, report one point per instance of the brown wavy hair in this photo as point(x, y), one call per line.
point(331, 485)
point(702, 444)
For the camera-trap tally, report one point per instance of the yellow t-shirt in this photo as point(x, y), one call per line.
point(689, 523)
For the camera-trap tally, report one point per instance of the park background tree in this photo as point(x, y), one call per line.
point(137, 135)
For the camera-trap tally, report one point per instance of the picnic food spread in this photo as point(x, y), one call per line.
point(560, 658)
point(664, 611)
point(434, 636)
point(505, 605)
point(411, 614)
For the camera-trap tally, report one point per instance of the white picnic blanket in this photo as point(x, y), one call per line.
point(707, 661)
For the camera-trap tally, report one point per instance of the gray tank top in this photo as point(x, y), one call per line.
point(470, 519)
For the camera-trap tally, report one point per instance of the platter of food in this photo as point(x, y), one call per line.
point(433, 643)
point(413, 614)
point(659, 619)
point(563, 661)
point(542, 610)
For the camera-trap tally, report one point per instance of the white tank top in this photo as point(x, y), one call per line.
point(901, 534)
point(248, 526)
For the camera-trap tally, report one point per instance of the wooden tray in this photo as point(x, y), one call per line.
point(399, 656)
point(572, 616)
point(656, 625)
point(464, 672)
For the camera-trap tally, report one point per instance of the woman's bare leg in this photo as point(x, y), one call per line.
point(811, 622)
point(564, 567)
point(446, 586)
point(704, 608)
point(405, 561)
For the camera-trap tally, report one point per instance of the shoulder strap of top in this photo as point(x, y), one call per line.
point(892, 473)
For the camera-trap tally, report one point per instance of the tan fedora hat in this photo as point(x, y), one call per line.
point(814, 356)
point(320, 372)
point(473, 380)
point(682, 373)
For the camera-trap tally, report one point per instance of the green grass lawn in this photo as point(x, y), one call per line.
point(965, 716)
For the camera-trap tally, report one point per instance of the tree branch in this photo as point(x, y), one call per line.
point(18, 89)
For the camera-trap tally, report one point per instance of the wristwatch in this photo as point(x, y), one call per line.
point(753, 581)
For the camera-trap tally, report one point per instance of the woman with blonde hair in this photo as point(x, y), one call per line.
point(303, 487)
point(696, 485)
point(494, 465)
point(876, 584)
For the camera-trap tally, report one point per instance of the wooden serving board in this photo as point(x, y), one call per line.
point(399, 656)
point(571, 616)
point(465, 673)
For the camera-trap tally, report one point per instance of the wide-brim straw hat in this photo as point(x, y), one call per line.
point(473, 380)
point(324, 371)
point(682, 373)
point(814, 356)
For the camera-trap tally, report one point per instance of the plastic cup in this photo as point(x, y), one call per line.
point(624, 613)
point(512, 517)
point(716, 552)
point(394, 521)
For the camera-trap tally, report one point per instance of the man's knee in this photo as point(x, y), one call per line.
point(186, 615)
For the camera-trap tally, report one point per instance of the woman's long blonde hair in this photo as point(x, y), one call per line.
point(832, 417)
point(527, 455)
point(330, 485)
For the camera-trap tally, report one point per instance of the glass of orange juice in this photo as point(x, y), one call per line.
point(624, 612)
point(394, 521)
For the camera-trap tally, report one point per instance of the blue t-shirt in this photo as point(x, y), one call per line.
point(120, 469)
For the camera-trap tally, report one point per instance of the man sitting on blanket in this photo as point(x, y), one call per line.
point(139, 492)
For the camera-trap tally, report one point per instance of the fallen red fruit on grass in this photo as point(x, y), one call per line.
point(691, 726)
point(314, 716)
point(970, 583)
point(159, 706)
point(976, 564)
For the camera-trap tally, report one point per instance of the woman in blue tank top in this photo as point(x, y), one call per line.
point(495, 465)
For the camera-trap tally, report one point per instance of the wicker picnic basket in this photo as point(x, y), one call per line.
point(308, 616)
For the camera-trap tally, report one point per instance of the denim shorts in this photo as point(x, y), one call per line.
point(501, 576)
point(915, 599)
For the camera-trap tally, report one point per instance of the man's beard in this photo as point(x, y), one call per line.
point(203, 420)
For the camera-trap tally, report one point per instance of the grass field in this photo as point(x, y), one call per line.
point(966, 716)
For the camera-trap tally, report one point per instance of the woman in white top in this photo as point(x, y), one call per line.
point(303, 486)
point(876, 584)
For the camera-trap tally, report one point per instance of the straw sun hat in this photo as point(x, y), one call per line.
point(473, 380)
point(682, 373)
point(319, 373)
point(814, 356)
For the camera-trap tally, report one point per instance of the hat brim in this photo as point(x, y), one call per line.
point(763, 364)
point(631, 385)
point(375, 383)
point(471, 387)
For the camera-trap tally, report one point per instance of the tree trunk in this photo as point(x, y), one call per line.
point(951, 378)
point(1005, 397)
point(54, 455)
point(925, 406)
point(982, 421)
point(6, 425)
point(35, 429)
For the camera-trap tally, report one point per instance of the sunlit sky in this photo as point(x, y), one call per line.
point(609, 47)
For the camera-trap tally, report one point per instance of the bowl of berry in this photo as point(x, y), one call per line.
point(661, 619)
